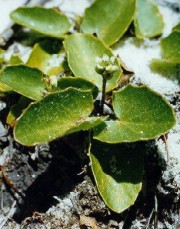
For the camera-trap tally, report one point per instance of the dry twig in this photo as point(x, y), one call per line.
point(9, 182)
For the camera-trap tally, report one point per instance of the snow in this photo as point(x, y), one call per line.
point(17, 48)
point(7, 6)
point(170, 19)
point(70, 6)
point(137, 55)
point(55, 61)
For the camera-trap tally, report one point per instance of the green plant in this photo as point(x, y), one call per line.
point(52, 107)
point(169, 65)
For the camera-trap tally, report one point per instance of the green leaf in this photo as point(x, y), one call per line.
point(53, 117)
point(4, 87)
point(82, 50)
point(15, 59)
point(141, 115)
point(165, 68)
point(170, 47)
point(148, 21)
point(50, 64)
point(16, 110)
point(46, 21)
point(108, 19)
point(2, 52)
point(177, 28)
point(77, 82)
point(86, 124)
point(118, 173)
point(24, 80)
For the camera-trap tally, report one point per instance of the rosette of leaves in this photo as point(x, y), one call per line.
point(51, 107)
point(141, 114)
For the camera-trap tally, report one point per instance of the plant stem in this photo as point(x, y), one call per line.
point(166, 146)
point(155, 212)
point(103, 95)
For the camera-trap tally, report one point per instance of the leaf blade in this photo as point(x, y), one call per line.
point(170, 50)
point(118, 174)
point(53, 116)
point(84, 48)
point(24, 80)
point(165, 68)
point(141, 115)
point(108, 26)
point(77, 82)
point(148, 21)
point(46, 21)
point(50, 64)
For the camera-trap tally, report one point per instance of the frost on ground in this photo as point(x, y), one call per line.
point(137, 56)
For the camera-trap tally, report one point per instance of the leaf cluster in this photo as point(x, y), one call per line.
point(59, 86)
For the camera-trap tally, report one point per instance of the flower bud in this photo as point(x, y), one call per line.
point(106, 66)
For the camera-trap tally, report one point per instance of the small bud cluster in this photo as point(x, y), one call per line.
point(106, 66)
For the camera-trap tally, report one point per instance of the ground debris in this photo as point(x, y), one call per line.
point(88, 222)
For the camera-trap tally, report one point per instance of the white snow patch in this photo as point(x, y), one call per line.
point(174, 145)
point(170, 19)
point(55, 61)
point(17, 48)
point(2, 105)
point(7, 6)
point(171, 176)
point(137, 55)
point(3, 130)
point(70, 6)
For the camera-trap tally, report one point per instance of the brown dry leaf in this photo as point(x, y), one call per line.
point(126, 75)
point(89, 222)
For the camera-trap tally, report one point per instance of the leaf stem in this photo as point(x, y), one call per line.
point(155, 212)
point(103, 95)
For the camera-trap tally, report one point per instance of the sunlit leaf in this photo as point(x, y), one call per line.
point(108, 19)
point(43, 20)
point(48, 63)
point(82, 50)
point(141, 115)
point(2, 52)
point(170, 47)
point(4, 87)
point(148, 21)
point(77, 82)
point(15, 59)
point(53, 117)
point(86, 124)
point(118, 173)
point(16, 110)
point(177, 28)
point(24, 80)
point(165, 68)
